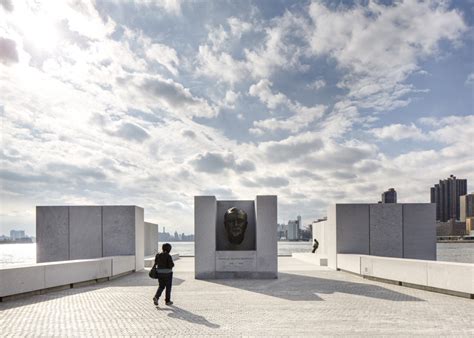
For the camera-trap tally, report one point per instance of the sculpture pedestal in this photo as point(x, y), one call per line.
point(255, 257)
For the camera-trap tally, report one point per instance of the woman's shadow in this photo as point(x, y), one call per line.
point(180, 313)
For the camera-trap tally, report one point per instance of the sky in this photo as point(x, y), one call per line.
point(152, 103)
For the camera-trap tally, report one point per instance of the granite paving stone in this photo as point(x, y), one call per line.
point(306, 300)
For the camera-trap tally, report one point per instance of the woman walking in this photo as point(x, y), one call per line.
point(164, 267)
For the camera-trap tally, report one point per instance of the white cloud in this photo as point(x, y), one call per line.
point(381, 45)
point(263, 91)
point(302, 115)
point(318, 84)
point(470, 79)
point(169, 6)
point(164, 55)
point(157, 92)
point(399, 132)
point(238, 27)
point(221, 66)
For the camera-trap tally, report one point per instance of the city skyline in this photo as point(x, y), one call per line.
point(150, 104)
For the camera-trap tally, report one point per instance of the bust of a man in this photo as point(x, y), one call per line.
point(235, 222)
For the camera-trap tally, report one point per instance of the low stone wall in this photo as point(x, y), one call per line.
point(150, 260)
point(312, 258)
point(446, 277)
point(36, 277)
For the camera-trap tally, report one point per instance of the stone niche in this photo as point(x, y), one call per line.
point(223, 252)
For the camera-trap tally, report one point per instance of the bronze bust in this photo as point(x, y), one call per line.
point(235, 222)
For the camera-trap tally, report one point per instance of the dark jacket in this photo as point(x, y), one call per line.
point(164, 262)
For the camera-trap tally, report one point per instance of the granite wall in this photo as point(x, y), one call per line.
point(399, 230)
point(83, 232)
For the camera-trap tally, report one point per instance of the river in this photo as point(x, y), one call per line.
point(26, 253)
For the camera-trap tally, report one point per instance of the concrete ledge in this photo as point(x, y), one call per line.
point(45, 277)
point(150, 260)
point(76, 271)
point(348, 262)
point(121, 264)
point(312, 258)
point(446, 277)
point(21, 279)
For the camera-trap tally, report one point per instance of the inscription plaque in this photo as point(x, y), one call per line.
point(236, 261)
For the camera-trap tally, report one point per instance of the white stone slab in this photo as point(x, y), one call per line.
point(85, 232)
point(397, 269)
point(139, 234)
point(319, 234)
point(349, 262)
point(386, 230)
point(121, 264)
point(236, 261)
point(205, 211)
point(331, 237)
point(15, 280)
point(151, 239)
point(316, 258)
point(75, 271)
point(267, 236)
point(451, 276)
point(52, 233)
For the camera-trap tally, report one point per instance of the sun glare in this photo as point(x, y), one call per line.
point(39, 28)
point(42, 33)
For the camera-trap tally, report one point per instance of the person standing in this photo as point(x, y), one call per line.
point(164, 267)
point(315, 245)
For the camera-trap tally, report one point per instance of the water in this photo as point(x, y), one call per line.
point(26, 253)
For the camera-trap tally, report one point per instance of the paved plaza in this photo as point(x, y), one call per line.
point(306, 300)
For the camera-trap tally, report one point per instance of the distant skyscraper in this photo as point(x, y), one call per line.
point(292, 230)
point(389, 196)
point(17, 234)
point(466, 208)
point(446, 196)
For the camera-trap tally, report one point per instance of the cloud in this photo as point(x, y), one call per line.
point(133, 132)
point(399, 132)
point(305, 174)
point(189, 133)
point(469, 79)
point(340, 156)
point(263, 92)
point(302, 115)
point(172, 7)
point(8, 52)
point(379, 46)
point(318, 84)
point(280, 48)
point(265, 181)
point(290, 148)
point(211, 162)
point(164, 55)
point(157, 92)
point(238, 27)
point(7, 5)
point(220, 66)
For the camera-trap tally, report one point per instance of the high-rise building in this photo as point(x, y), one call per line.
point(292, 230)
point(446, 196)
point(389, 196)
point(466, 207)
point(17, 234)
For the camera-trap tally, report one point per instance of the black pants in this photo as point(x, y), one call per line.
point(165, 280)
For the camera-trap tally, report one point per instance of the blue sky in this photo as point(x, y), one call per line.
point(151, 103)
